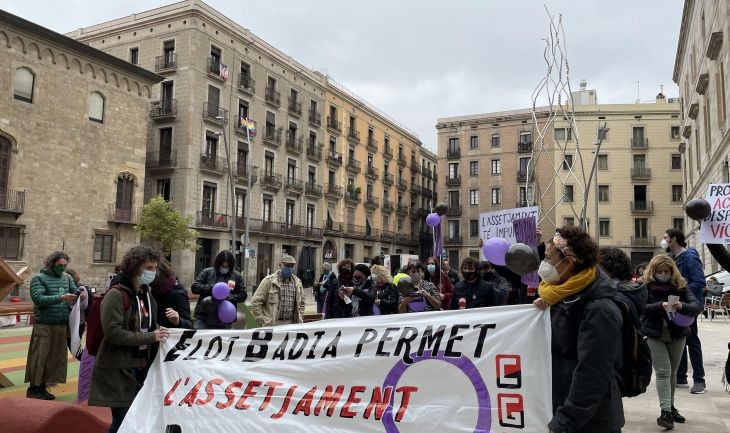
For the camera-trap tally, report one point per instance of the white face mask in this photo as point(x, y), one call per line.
point(664, 244)
point(146, 277)
point(663, 278)
point(548, 273)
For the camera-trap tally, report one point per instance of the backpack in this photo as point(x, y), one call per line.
point(636, 368)
point(94, 330)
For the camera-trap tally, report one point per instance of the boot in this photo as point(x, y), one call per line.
point(665, 420)
point(33, 392)
point(44, 392)
point(677, 417)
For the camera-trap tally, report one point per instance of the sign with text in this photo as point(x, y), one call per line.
point(499, 224)
point(469, 370)
point(716, 228)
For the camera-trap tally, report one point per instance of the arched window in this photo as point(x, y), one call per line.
point(96, 107)
point(24, 80)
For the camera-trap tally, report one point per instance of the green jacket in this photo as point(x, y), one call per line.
point(46, 289)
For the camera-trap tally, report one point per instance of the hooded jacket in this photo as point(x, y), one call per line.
point(690, 266)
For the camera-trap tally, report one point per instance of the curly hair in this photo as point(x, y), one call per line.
point(469, 261)
point(583, 249)
point(677, 280)
point(381, 274)
point(615, 263)
point(54, 257)
point(344, 262)
point(135, 257)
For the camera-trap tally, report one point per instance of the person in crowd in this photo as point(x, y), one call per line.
point(337, 305)
point(500, 284)
point(714, 287)
point(585, 322)
point(326, 283)
point(279, 299)
point(452, 274)
point(221, 272)
point(617, 265)
point(386, 295)
point(52, 291)
point(665, 337)
point(441, 280)
point(639, 273)
point(84, 297)
point(473, 291)
point(690, 266)
point(375, 261)
point(129, 323)
point(402, 272)
point(424, 291)
point(363, 289)
point(173, 304)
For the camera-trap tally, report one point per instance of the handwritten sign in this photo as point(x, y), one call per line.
point(499, 224)
point(716, 228)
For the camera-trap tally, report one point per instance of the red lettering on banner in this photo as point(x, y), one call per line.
point(249, 392)
point(305, 404)
point(209, 391)
point(230, 395)
point(285, 405)
point(329, 399)
point(272, 386)
point(168, 400)
point(352, 399)
point(379, 402)
point(406, 390)
point(192, 395)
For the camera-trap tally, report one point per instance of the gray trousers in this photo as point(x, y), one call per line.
point(665, 357)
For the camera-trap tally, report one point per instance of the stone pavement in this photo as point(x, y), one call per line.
point(705, 413)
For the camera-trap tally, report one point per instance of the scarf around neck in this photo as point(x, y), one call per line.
point(554, 293)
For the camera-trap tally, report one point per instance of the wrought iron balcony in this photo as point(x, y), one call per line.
point(524, 146)
point(123, 215)
point(240, 127)
point(521, 176)
point(372, 144)
point(643, 241)
point(293, 144)
point(270, 181)
point(402, 185)
point(387, 153)
point(415, 189)
point(272, 97)
point(453, 153)
point(353, 135)
point(401, 210)
point(213, 164)
point(353, 166)
point(371, 173)
point(372, 202)
point(352, 196)
point(217, 69)
point(272, 136)
point(164, 109)
point(642, 206)
point(334, 125)
point(388, 179)
point(453, 240)
point(333, 191)
point(388, 236)
point(640, 173)
point(639, 143)
point(214, 113)
point(426, 172)
point(242, 174)
point(453, 180)
point(294, 185)
point(13, 202)
point(454, 210)
point(333, 226)
point(246, 84)
point(314, 118)
point(295, 107)
point(313, 190)
point(402, 161)
point(334, 158)
point(426, 192)
point(314, 152)
point(161, 160)
point(387, 206)
point(415, 166)
point(212, 220)
point(166, 63)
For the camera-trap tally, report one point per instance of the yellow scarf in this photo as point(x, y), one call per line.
point(554, 293)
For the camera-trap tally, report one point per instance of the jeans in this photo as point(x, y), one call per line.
point(665, 360)
point(118, 414)
point(695, 356)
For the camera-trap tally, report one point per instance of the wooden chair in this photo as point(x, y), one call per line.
point(718, 305)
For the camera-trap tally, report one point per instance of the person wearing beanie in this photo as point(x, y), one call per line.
point(362, 292)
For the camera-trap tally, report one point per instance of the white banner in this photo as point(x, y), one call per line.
point(481, 370)
point(498, 224)
point(716, 228)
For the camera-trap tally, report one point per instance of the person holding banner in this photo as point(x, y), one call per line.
point(363, 288)
point(425, 296)
point(472, 291)
point(585, 324)
point(173, 304)
point(338, 305)
point(279, 300)
point(386, 297)
point(500, 284)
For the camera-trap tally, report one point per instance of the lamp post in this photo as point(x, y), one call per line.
point(230, 183)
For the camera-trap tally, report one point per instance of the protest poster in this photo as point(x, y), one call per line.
point(485, 370)
point(526, 233)
point(716, 228)
point(498, 224)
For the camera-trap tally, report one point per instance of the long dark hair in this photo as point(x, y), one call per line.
point(54, 257)
point(223, 257)
point(436, 278)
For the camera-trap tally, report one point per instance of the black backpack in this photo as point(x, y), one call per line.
point(635, 372)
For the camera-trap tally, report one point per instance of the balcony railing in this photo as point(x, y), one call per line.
point(371, 172)
point(388, 179)
point(453, 153)
point(401, 209)
point(217, 69)
point(294, 185)
point(161, 160)
point(415, 166)
point(293, 144)
point(270, 181)
point(295, 107)
point(167, 62)
point(402, 185)
point(241, 128)
point(372, 202)
point(12, 201)
point(642, 206)
point(415, 189)
point(352, 196)
point(353, 135)
point(643, 241)
point(333, 226)
point(311, 189)
point(639, 143)
point(522, 203)
point(453, 180)
point(524, 146)
point(246, 84)
point(314, 118)
point(272, 136)
point(215, 113)
point(417, 212)
point(453, 240)
point(426, 172)
point(212, 220)
point(521, 176)
point(387, 153)
point(242, 173)
point(372, 144)
point(353, 166)
point(402, 160)
point(334, 125)
point(388, 206)
point(454, 210)
point(163, 109)
point(314, 152)
point(388, 235)
point(334, 158)
point(272, 97)
point(333, 191)
point(640, 173)
point(426, 192)
point(213, 164)
point(123, 215)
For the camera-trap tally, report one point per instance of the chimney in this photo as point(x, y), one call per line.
point(660, 97)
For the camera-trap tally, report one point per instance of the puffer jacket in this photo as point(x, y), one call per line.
point(203, 286)
point(690, 266)
point(46, 289)
point(652, 322)
point(585, 355)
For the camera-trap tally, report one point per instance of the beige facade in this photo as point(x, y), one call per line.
point(217, 73)
point(700, 71)
point(73, 131)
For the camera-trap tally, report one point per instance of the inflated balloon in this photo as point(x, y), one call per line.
point(208, 305)
point(494, 250)
point(417, 306)
point(698, 209)
point(442, 208)
point(227, 312)
point(680, 319)
point(221, 291)
point(521, 259)
point(405, 286)
point(433, 219)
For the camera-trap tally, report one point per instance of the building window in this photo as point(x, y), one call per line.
point(495, 140)
point(473, 168)
point(453, 170)
point(163, 189)
point(10, 242)
point(103, 248)
point(561, 135)
point(602, 162)
point(720, 86)
point(453, 146)
point(678, 223)
point(23, 85)
point(289, 213)
point(525, 196)
point(568, 221)
point(496, 196)
point(676, 193)
point(674, 132)
point(474, 142)
point(676, 162)
point(266, 213)
point(473, 197)
point(473, 253)
point(603, 193)
point(125, 196)
point(96, 107)
point(474, 228)
point(525, 138)
point(641, 228)
point(134, 56)
point(568, 194)
point(208, 204)
point(496, 166)
point(240, 208)
point(454, 198)
point(568, 162)
point(604, 227)
point(454, 231)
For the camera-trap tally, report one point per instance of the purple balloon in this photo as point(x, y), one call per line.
point(227, 312)
point(680, 319)
point(417, 306)
point(494, 250)
point(433, 219)
point(376, 310)
point(221, 291)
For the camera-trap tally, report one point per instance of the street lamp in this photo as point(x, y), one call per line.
point(230, 183)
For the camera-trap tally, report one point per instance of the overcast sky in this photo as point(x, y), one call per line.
point(419, 60)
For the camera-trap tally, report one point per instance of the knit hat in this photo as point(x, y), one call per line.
point(363, 268)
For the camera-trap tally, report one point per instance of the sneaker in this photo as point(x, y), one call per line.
point(682, 383)
point(698, 388)
point(665, 420)
point(677, 417)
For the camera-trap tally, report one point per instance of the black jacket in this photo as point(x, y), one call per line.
point(586, 350)
point(367, 294)
point(477, 294)
point(655, 316)
point(329, 284)
point(453, 277)
point(203, 286)
point(500, 284)
point(389, 297)
point(336, 307)
point(177, 299)
point(634, 296)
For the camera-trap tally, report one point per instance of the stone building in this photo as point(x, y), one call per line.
point(73, 133)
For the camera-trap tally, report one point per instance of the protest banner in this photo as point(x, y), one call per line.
point(716, 228)
point(484, 370)
point(498, 224)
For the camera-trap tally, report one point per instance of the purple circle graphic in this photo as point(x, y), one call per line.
point(484, 415)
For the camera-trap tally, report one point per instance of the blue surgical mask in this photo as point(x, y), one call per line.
point(431, 268)
point(146, 277)
point(286, 272)
point(223, 270)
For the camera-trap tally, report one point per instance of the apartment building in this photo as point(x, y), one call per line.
point(298, 165)
point(700, 73)
point(71, 169)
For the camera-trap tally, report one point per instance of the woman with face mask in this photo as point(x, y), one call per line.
point(173, 304)
point(473, 291)
point(338, 305)
point(363, 290)
point(326, 281)
point(425, 296)
point(585, 324)
point(386, 295)
point(206, 311)
point(665, 337)
point(434, 274)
